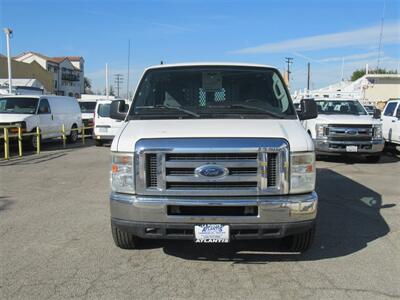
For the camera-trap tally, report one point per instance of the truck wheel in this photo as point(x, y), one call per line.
point(373, 158)
point(123, 240)
point(73, 135)
point(31, 141)
point(98, 143)
point(301, 242)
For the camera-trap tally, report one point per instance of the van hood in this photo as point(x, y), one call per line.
point(134, 130)
point(346, 119)
point(13, 118)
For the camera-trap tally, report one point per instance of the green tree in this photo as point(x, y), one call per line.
point(361, 72)
point(88, 85)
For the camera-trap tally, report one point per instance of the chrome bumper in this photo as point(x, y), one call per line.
point(328, 146)
point(271, 209)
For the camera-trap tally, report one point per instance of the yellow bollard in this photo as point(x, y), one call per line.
point(83, 133)
point(20, 141)
point(37, 140)
point(6, 144)
point(63, 135)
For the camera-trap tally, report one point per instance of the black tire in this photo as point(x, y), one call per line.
point(98, 143)
point(73, 135)
point(31, 141)
point(301, 242)
point(123, 240)
point(373, 158)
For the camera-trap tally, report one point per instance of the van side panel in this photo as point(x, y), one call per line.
point(66, 112)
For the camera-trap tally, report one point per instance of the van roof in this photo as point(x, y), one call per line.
point(36, 96)
point(210, 64)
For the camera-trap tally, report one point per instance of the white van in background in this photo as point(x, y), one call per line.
point(87, 110)
point(105, 128)
point(46, 112)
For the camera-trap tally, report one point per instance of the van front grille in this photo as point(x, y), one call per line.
point(253, 171)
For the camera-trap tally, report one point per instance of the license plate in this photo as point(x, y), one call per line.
point(102, 129)
point(211, 233)
point(351, 148)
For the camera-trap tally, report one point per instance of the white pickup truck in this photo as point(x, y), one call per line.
point(343, 126)
point(211, 153)
point(391, 122)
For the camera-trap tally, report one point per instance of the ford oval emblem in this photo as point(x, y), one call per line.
point(213, 171)
point(352, 132)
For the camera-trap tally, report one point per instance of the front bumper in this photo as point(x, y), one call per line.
point(328, 146)
point(278, 216)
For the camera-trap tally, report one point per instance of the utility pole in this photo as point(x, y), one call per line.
point(8, 32)
point(342, 78)
point(127, 79)
point(289, 61)
point(107, 90)
point(308, 77)
point(118, 80)
point(381, 35)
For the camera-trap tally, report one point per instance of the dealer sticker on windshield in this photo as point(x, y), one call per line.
point(211, 233)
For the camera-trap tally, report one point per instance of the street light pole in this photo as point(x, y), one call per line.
point(8, 32)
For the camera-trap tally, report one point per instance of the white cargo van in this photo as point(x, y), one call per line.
point(105, 128)
point(46, 112)
point(213, 152)
point(391, 122)
point(87, 110)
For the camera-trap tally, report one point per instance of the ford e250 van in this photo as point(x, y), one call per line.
point(211, 153)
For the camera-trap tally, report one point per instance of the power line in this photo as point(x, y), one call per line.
point(118, 80)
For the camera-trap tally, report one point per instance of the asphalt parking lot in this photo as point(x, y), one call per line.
point(55, 239)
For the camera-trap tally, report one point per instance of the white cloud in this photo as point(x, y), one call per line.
point(361, 37)
point(350, 57)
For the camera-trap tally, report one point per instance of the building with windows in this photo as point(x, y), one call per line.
point(67, 71)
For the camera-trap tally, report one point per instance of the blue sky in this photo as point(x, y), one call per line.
point(320, 32)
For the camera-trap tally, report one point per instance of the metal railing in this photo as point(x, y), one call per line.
point(8, 134)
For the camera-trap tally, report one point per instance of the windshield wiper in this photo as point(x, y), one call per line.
point(189, 112)
point(239, 105)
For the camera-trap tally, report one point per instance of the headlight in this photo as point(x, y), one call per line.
point(15, 129)
point(302, 172)
point(321, 130)
point(122, 173)
point(377, 131)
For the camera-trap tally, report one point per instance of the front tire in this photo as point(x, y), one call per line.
point(73, 135)
point(301, 242)
point(98, 143)
point(123, 240)
point(31, 141)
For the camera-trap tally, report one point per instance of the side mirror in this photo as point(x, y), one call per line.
point(377, 113)
point(308, 109)
point(117, 110)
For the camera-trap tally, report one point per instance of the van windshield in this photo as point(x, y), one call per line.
point(349, 107)
point(18, 105)
point(87, 107)
point(212, 92)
